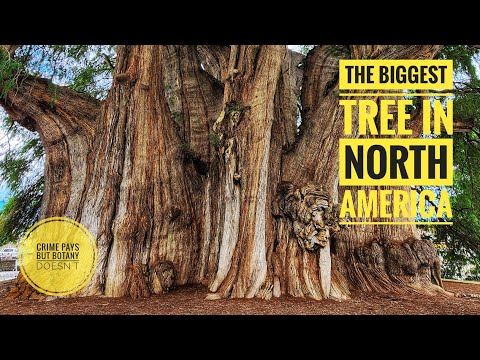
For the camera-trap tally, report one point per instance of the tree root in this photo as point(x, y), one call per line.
point(382, 266)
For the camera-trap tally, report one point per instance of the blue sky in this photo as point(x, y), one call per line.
point(4, 195)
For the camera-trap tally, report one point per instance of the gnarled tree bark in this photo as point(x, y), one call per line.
point(192, 171)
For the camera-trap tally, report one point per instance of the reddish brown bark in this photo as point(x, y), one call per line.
point(176, 173)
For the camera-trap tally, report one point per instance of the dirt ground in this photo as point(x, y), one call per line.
point(191, 300)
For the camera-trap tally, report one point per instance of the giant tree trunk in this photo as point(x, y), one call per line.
point(193, 168)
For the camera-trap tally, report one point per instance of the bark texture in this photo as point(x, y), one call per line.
point(193, 171)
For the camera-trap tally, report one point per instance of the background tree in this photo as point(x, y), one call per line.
point(194, 158)
point(460, 243)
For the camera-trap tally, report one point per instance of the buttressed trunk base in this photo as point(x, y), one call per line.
point(192, 171)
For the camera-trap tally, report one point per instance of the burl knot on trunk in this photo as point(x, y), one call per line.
point(314, 215)
point(162, 277)
point(23, 291)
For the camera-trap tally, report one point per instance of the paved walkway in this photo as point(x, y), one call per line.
point(8, 275)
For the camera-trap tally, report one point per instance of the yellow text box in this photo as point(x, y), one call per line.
point(396, 162)
point(396, 74)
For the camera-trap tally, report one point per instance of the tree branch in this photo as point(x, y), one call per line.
point(459, 125)
point(66, 123)
point(419, 189)
point(108, 61)
point(214, 59)
point(394, 51)
point(322, 122)
point(194, 97)
point(10, 49)
point(37, 104)
point(462, 125)
point(296, 60)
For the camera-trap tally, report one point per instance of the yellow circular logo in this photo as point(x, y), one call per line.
point(57, 256)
